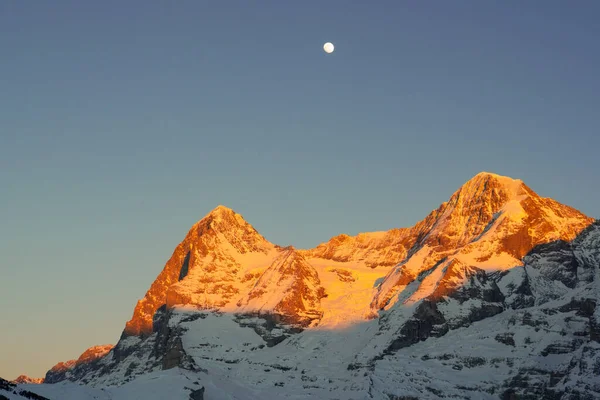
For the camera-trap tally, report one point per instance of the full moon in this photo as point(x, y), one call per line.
point(328, 47)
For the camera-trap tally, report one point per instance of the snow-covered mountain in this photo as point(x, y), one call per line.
point(26, 379)
point(492, 295)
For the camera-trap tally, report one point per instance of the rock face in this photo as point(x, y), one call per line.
point(517, 274)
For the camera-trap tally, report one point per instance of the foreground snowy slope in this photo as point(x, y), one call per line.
point(492, 295)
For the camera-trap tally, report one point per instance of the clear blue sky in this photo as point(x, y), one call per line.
point(122, 123)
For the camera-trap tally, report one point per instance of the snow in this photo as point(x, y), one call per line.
point(496, 262)
point(346, 303)
point(429, 284)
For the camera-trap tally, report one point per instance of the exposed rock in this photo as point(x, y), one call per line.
point(555, 261)
point(269, 327)
point(168, 348)
point(174, 355)
point(185, 266)
point(344, 275)
point(506, 338)
point(418, 328)
point(516, 288)
point(563, 347)
point(197, 394)
point(584, 307)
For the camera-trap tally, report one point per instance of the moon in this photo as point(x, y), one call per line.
point(328, 47)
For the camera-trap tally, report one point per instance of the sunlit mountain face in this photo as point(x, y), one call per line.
point(491, 295)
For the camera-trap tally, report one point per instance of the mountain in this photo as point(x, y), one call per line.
point(490, 223)
point(492, 295)
point(25, 379)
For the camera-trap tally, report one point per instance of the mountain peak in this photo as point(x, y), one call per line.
point(209, 257)
point(486, 181)
point(221, 210)
point(487, 174)
point(490, 222)
point(222, 217)
point(487, 193)
point(24, 379)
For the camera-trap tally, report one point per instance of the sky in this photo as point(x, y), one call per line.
point(123, 123)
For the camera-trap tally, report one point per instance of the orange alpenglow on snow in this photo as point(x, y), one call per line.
point(224, 264)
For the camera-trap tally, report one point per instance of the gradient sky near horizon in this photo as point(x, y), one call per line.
point(123, 123)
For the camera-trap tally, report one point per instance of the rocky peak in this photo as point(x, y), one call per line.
point(225, 222)
point(491, 222)
point(206, 263)
point(486, 183)
point(21, 379)
point(470, 209)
